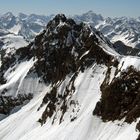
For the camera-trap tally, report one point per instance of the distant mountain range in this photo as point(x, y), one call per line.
point(25, 25)
point(122, 29)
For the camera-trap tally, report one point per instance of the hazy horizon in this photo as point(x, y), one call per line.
point(108, 8)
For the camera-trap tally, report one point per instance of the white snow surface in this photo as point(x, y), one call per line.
point(19, 82)
point(129, 61)
point(24, 125)
point(15, 29)
point(12, 42)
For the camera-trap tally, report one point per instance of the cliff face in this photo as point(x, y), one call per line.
point(120, 98)
point(75, 81)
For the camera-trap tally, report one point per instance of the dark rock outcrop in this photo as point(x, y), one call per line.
point(120, 98)
point(122, 49)
point(8, 103)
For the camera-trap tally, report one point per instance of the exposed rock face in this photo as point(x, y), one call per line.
point(120, 98)
point(61, 50)
point(122, 49)
point(55, 100)
point(138, 128)
point(7, 103)
point(61, 46)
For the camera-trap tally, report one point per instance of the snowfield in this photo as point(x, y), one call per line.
point(24, 125)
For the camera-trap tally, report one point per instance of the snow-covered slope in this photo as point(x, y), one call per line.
point(65, 73)
point(79, 123)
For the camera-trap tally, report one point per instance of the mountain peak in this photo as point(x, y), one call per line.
point(60, 17)
point(92, 14)
point(22, 15)
point(8, 15)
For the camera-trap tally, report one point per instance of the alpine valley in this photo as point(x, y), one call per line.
point(69, 78)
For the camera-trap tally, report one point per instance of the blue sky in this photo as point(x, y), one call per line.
point(111, 8)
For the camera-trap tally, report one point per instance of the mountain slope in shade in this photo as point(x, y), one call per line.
point(65, 84)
